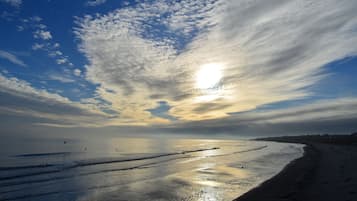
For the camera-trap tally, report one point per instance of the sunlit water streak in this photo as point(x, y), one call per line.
point(139, 169)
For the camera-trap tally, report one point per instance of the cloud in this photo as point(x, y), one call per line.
point(77, 72)
point(334, 115)
point(8, 16)
point(37, 46)
point(41, 32)
point(320, 110)
point(60, 78)
point(56, 45)
point(14, 3)
point(268, 51)
point(31, 105)
point(45, 35)
point(61, 61)
point(95, 2)
point(130, 62)
point(20, 28)
point(36, 19)
point(11, 57)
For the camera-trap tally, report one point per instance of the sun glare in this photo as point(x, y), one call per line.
point(209, 76)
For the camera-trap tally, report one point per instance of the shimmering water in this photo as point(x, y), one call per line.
point(138, 168)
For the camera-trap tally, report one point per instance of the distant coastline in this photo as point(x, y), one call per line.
point(325, 172)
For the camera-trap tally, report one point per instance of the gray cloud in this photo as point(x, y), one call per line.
point(310, 117)
point(20, 99)
point(209, 107)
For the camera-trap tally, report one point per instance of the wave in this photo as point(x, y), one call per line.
point(62, 167)
point(43, 154)
point(4, 168)
point(146, 165)
point(242, 151)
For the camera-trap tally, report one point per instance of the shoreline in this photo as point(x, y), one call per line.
point(324, 172)
point(282, 185)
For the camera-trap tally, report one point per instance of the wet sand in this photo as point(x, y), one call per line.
point(326, 172)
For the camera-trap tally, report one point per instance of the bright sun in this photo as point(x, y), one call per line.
point(209, 75)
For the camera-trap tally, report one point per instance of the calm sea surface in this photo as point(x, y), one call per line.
point(138, 168)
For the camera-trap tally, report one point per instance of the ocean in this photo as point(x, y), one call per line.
point(138, 168)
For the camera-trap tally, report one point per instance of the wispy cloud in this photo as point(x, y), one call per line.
point(15, 3)
point(269, 51)
point(95, 2)
point(21, 99)
point(11, 57)
point(60, 78)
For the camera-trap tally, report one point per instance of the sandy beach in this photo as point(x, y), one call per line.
point(326, 172)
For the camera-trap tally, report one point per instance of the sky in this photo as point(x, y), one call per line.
point(247, 67)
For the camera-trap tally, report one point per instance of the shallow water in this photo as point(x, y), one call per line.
point(138, 168)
